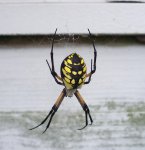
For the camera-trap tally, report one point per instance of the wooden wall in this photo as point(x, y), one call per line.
point(19, 17)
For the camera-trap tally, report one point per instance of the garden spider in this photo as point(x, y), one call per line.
point(73, 75)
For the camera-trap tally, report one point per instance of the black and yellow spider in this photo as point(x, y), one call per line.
point(73, 75)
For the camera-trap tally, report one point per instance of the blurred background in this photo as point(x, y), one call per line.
point(115, 95)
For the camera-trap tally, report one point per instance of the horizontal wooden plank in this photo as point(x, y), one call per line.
point(27, 84)
point(49, 1)
point(101, 18)
point(66, 1)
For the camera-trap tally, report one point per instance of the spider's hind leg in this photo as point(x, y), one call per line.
point(52, 112)
point(85, 108)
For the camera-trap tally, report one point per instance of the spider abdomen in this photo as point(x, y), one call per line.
point(73, 71)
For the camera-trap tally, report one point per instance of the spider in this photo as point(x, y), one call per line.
point(73, 75)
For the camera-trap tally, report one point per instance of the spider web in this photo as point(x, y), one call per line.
point(66, 40)
point(65, 44)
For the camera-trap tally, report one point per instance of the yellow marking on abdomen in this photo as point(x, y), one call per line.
point(66, 64)
point(69, 61)
point(80, 81)
point(68, 86)
point(84, 69)
point(65, 73)
point(73, 81)
point(76, 64)
point(74, 72)
point(67, 69)
point(80, 72)
point(82, 61)
point(67, 80)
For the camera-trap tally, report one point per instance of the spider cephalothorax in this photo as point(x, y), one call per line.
point(73, 75)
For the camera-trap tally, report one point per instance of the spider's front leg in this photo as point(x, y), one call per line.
point(53, 110)
point(55, 75)
point(93, 69)
point(52, 69)
point(85, 108)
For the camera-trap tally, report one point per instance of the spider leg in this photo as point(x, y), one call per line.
point(43, 120)
point(54, 74)
point(51, 53)
point(85, 108)
point(89, 75)
point(86, 121)
point(52, 70)
point(53, 111)
point(95, 52)
point(49, 122)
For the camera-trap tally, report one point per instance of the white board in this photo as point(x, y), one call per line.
point(72, 18)
point(66, 1)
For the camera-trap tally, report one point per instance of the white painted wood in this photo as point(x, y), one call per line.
point(50, 1)
point(101, 18)
point(27, 84)
point(66, 1)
